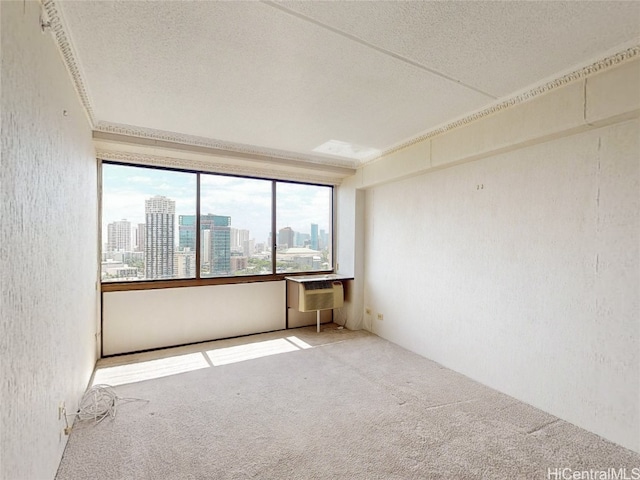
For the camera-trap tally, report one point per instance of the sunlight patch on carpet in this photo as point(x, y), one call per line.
point(163, 367)
point(240, 353)
point(299, 343)
point(147, 370)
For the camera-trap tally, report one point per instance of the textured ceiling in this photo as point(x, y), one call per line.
point(291, 76)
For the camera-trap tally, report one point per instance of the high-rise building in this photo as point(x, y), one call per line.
point(233, 237)
point(248, 247)
point(159, 237)
point(215, 240)
point(285, 237)
point(324, 240)
point(301, 239)
point(238, 263)
point(220, 253)
point(187, 232)
point(238, 237)
point(243, 236)
point(205, 245)
point(140, 235)
point(119, 236)
point(185, 264)
point(314, 236)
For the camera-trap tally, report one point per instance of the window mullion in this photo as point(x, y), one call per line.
point(273, 227)
point(197, 232)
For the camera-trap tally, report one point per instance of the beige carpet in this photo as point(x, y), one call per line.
point(334, 405)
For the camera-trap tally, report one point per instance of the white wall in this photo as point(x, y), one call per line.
point(522, 269)
point(350, 251)
point(145, 319)
point(48, 246)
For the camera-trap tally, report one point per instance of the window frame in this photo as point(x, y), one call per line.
point(125, 285)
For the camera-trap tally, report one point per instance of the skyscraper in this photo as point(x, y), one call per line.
point(248, 248)
point(238, 237)
point(302, 240)
point(243, 236)
point(215, 240)
point(205, 247)
point(220, 257)
point(185, 264)
point(140, 235)
point(314, 236)
point(235, 242)
point(285, 237)
point(324, 240)
point(159, 237)
point(119, 236)
point(187, 232)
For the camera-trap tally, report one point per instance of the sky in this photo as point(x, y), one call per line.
point(247, 201)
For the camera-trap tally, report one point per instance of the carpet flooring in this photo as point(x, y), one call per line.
point(334, 405)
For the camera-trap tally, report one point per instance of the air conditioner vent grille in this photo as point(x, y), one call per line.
point(319, 285)
point(321, 295)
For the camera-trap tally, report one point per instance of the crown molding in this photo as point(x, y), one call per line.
point(64, 46)
point(519, 98)
point(219, 145)
point(123, 143)
point(215, 167)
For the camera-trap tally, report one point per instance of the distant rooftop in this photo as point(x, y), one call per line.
point(301, 251)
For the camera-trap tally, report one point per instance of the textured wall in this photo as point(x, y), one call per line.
point(522, 271)
point(48, 246)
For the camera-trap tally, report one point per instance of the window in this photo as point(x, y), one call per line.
point(140, 207)
point(235, 226)
point(303, 227)
point(155, 226)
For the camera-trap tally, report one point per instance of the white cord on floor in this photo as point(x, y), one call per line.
point(100, 402)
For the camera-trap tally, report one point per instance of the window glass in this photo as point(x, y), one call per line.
point(303, 227)
point(140, 209)
point(150, 228)
point(235, 226)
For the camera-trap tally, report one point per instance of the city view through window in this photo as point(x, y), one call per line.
point(149, 225)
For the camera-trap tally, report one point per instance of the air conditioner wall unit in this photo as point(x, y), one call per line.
point(323, 295)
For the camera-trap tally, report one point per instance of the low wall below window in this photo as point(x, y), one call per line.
point(137, 320)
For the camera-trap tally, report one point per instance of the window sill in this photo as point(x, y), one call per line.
point(199, 282)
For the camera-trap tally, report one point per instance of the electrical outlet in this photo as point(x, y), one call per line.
point(367, 311)
point(62, 415)
point(380, 316)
